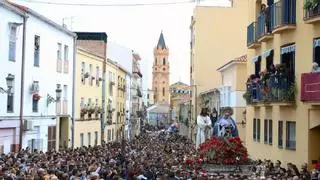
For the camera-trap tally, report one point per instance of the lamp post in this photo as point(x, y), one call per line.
point(9, 81)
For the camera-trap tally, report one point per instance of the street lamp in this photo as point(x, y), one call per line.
point(51, 99)
point(9, 80)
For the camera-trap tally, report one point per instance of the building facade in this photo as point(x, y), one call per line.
point(136, 95)
point(283, 113)
point(212, 44)
point(232, 89)
point(88, 103)
point(11, 25)
point(161, 72)
point(92, 75)
point(121, 102)
point(179, 93)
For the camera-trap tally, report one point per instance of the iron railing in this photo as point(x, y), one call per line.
point(251, 33)
point(276, 89)
point(264, 23)
point(311, 11)
point(283, 13)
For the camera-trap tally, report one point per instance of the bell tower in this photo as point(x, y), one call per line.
point(161, 72)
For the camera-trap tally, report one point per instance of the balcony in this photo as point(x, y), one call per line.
point(276, 89)
point(311, 12)
point(263, 32)
point(251, 36)
point(283, 16)
point(310, 88)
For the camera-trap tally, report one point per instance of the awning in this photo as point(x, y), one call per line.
point(316, 43)
point(255, 59)
point(267, 53)
point(288, 49)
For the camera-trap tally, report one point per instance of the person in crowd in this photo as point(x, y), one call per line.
point(203, 125)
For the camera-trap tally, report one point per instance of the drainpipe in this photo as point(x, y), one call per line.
point(103, 114)
point(73, 89)
point(22, 80)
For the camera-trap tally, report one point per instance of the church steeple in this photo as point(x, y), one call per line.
point(161, 43)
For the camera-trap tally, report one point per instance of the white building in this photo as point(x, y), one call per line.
point(11, 35)
point(47, 81)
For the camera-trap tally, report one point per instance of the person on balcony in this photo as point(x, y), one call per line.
point(203, 124)
point(315, 67)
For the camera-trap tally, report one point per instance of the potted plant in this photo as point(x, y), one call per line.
point(91, 110)
point(36, 97)
point(83, 111)
point(308, 5)
point(86, 75)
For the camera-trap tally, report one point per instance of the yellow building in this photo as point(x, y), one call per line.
point(88, 100)
point(179, 93)
point(111, 102)
point(213, 43)
point(280, 125)
point(121, 100)
point(232, 88)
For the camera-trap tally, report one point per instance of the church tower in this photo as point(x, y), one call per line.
point(161, 72)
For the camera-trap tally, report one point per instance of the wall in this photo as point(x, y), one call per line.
point(86, 127)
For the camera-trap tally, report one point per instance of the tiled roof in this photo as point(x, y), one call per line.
point(241, 59)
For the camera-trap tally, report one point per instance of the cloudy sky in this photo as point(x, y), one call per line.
point(135, 27)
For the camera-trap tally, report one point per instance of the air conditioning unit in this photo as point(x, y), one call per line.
point(28, 125)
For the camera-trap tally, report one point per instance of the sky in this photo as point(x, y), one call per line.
point(135, 27)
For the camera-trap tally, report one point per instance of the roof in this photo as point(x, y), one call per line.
point(102, 36)
point(215, 90)
point(238, 60)
point(43, 18)
point(179, 83)
point(12, 8)
point(161, 43)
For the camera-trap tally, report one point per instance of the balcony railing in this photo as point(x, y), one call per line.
point(58, 107)
point(283, 13)
point(65, 107)
point(66, 67)
point(264, 25)
point(310, 87)
point(251, 34)
point(276, 89)
point(311, 11)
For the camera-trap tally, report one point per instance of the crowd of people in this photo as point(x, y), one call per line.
point(154, 154)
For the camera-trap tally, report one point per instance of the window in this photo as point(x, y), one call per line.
point(269, 60)
point(35, 105)
point(96, 138)
point(65, 92)
point(288, 58)
point(163, 91)
point(81, 139)
point(97, 76)
point(148, 96)
point(109, 135)
point(280, 134)
point(112, 135)
point(316, 51)
point(164, 69)
point(90, 74)
point(270, 131)
point(155, 61)
point(291, 135)
point(10, 100)
point(258, 129)
point(257, 66)
point(164, 61)
point(83, 69)
point(58, 97)
point(66, 53)
point(89, 101)
point(254, 133)
point(12, 42)
point(89, 139)
point(36, 51)
point(265, 131)
point(59, 51)
point(82, 102)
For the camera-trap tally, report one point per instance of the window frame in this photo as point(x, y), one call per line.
point(36, 57)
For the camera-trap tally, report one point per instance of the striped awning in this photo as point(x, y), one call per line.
point(316, 43)
point(288, 49)
point(267, 53)
point(255, 59)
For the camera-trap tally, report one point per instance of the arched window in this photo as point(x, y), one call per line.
point(164, 61)
point(163, 91)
